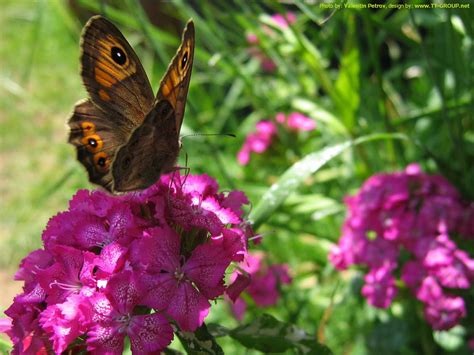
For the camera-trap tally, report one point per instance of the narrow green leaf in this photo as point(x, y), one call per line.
point(347, 84)
point(298, 172)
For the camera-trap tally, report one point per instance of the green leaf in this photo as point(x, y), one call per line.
point(199, 342)
point(298, 172)
point(347, 84)
point(451, 339)
point(269, 335)
point(5, 346)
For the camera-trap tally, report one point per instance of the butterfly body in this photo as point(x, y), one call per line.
point(156, 159)
point(124, 136)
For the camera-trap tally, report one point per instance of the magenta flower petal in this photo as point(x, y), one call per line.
point(243, 156)
point(252, 38)
point(225, 215)
point(257, 142)
point(413, 274)
point(157, 250)
point(95, 202)
point(282, 272)
point(283, 21)
point(238, 308)
point(26, 334)
point(115, 318)
point(191, 216)
point(206, 268)
point(445, 312)
point(429, 290)
point(105, 339)
point(111, 260)
point(258, 280)
point(280, 117)
point(233, 242)
point(189, 307)
point(238, 286)
point(5, 325)
point(35, 261)
point(299, 122)
point(263, 289)
point(235, 200)
point(379, 288)
point(149, 333)
point(71, 273)
point(66, 321)
point(160, 290)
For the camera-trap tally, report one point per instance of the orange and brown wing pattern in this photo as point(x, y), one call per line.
point(175, 83)
point(112, 72)
point(97, 137)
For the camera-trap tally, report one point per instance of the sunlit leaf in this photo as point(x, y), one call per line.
point(298, 172)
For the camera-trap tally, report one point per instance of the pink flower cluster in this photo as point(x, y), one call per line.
point(281, 21)
point(260, 280)
point(259, 141)
point(128, 266)
point(419, 214)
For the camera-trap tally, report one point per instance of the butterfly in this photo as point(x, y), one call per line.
point(124, 135)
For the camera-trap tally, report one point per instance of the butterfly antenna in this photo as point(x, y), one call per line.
point(209, 134)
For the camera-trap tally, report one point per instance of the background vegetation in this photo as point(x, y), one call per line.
point(355, 72)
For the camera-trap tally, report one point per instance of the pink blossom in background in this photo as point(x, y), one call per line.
point(252, 38)
point(444, 313)
point(418, 213)
point(281, 21)
point(379, 288)
point(296, 121)
point(165, 249)
point(268, 65)
point(299, 122)
point(259, 280)
point(257, 142)
point(266, 130)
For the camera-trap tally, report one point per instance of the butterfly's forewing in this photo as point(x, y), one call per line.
point(112, 72)
point(120, 97)
point(175, 83)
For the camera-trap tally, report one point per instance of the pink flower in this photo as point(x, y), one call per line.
point(283, 21)
point(66, 321)
point(444, 313)
point(257, 142)
point(178, 285)
point(72, 273)
point(296, 121)
point(261, 140)
point(115, 319)
point(420, 214)
point(92, 284)
point(259, 281)
point(268, 65)
point(252, 38)
point(379, 288)
point(429, 290)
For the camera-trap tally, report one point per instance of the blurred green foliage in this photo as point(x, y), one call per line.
point(356, 72)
